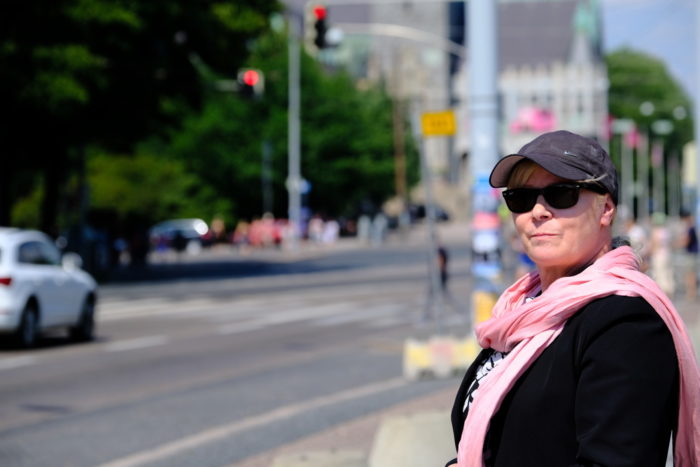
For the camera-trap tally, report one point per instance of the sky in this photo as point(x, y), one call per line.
point(665, 29)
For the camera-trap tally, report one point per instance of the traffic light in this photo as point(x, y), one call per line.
point(320, 14)
point(251, 82)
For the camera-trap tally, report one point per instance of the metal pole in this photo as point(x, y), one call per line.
point(483, 93)
point(643, 179)
point(436, 291)
point(484, 145)
point(674, 187)
point(658, 175)
point(294, 137)
point(627, 176)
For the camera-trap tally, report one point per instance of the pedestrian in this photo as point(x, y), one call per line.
point(661, 253)
point(443, 258)
point(585, 361)
point(689, 260)
point(639, 241)
point(435, 298)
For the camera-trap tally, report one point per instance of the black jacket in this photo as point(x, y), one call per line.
point(604, 393)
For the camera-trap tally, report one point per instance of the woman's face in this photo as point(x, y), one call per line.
point(560, 241)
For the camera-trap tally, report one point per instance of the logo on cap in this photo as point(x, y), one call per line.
point(567, 153)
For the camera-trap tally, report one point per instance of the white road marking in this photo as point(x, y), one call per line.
point(149, 308)
point(16, 362)
point(385, 322)
point(308, 312)
point(360, 314)
point(120, 308)
point(237, 328)
point(173, 448)
point(137, 343)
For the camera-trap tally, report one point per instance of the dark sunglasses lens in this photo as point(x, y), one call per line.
point(520, 200)
point(561, 196)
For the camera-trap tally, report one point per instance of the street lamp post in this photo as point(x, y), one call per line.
point(661, 128)
point(294, 137)
point(625, 127)
point(646, 108)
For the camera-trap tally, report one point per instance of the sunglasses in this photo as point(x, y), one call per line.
point(558, 196)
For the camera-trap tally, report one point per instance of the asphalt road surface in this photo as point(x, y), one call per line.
point(222, 357)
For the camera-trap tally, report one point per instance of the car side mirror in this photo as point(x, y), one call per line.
point(71, 261)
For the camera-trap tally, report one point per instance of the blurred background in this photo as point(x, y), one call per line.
point(280, 201)
point(124, 116)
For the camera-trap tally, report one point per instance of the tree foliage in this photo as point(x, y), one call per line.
point(105, 72)
point(124, 95)
point(346, 137)
point(635, 78)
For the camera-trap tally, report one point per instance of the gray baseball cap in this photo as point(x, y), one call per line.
point(566, 155)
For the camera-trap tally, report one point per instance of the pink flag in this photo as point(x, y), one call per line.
point(632, 138)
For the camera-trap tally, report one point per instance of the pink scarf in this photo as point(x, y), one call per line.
point(526, 329)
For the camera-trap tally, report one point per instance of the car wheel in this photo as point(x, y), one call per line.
point(84, 329)
point(28, 330)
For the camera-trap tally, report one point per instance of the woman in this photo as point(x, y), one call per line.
point(585, 360)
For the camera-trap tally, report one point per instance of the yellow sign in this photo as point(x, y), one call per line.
point(438, 123)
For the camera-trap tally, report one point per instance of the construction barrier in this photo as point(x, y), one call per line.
point(439, 356)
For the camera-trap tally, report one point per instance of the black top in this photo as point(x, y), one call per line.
point(604, 393)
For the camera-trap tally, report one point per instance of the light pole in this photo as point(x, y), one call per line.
point(294, 134)
point(646, 108)
point(661, 128)
point(625, 127)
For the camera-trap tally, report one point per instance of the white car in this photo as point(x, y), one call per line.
point(40, 289)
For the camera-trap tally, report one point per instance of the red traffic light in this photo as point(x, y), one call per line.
point(320, 12)
point(251, 82)
point(251, 77)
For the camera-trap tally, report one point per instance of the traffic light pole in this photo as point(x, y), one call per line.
point(294, 136)
point(483, 115)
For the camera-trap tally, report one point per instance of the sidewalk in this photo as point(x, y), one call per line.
point(350, 444)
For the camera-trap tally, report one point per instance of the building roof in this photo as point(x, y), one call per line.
point(537, 33)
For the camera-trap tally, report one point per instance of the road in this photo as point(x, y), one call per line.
point(223, 358)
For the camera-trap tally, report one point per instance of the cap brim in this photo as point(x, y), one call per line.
point(501, 172)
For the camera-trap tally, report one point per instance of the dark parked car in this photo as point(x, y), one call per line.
point(180, 234)
point(418, 212)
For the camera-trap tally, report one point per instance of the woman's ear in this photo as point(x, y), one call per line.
point(608, 211)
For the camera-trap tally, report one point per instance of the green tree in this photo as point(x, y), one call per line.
point(77, 73)
point(635, 78)
point(113, 179)
point(346, 139)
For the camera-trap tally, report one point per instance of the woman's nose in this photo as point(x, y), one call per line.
point(541, 209)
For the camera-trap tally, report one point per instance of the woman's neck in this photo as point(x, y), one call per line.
point(549, 275)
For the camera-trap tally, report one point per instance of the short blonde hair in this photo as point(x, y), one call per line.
point(521, 173)
point(522, 170)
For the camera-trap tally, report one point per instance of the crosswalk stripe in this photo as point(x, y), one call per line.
point(301, 314)
point(16, 362)
point(237, 328)
point(137, 343)
point(367, 313)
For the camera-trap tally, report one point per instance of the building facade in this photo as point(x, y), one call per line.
point(551, 67)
